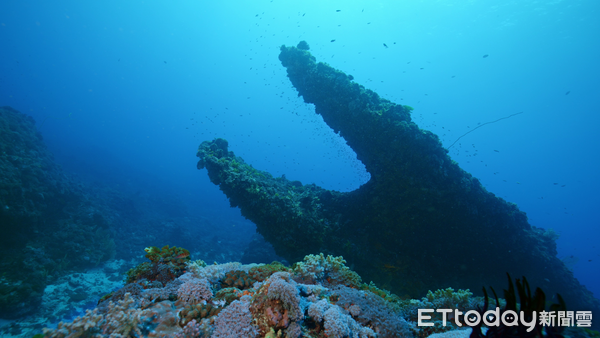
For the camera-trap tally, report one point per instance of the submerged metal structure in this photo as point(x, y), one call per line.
point(421, 223)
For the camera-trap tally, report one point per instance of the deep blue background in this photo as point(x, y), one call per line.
point(125, 91)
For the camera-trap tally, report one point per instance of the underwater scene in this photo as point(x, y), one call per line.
point(278, 168)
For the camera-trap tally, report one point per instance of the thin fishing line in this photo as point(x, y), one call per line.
point(481, 125)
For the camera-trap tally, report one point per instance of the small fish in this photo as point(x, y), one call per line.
point(496, 151)
point(567, 93)
point(384, 45)
point(453, 76)
point(338, 10)
point(485, 56)
point(333, 40)
point(165, 61)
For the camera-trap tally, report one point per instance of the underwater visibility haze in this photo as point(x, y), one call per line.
point(432, 144)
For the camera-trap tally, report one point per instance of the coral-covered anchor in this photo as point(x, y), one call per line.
point(420, 213)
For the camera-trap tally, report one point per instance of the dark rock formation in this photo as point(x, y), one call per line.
point(47, 223)
point(421, 223)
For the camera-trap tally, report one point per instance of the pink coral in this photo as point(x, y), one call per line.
point(283, 288)
point(194, 290)
point(235, 321)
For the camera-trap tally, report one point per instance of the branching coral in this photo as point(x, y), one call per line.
point(320, 268)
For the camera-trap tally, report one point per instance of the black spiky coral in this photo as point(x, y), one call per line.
point(528, 307)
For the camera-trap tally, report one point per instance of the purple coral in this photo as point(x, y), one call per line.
point(194, 290)
point(317, 310)
point(235, 321)
point(369, 308)
point(190, 330)
point(284, 288)
point(339, 324)
point(336, 322)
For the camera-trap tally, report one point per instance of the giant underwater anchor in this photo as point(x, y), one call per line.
point(420, 223)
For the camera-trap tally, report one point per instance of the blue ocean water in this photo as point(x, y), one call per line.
point(124, 92)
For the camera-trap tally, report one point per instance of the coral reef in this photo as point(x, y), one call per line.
point(277, 306)
point(421, 222)
point(280, 306)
